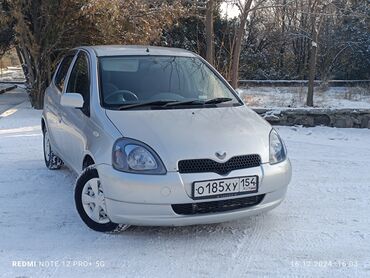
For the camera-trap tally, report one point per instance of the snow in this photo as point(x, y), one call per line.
point(12, 74)
point(10, 99)
point(321, 229)
point(294, 97)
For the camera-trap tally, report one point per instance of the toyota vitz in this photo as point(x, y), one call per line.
point(158, 137)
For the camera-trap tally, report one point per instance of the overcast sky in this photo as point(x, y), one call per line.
point(230, 10)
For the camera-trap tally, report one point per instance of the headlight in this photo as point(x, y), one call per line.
point(135, 157)
point(277, 148)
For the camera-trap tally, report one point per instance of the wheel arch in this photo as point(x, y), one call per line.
point(87, 161)
point(43, 124)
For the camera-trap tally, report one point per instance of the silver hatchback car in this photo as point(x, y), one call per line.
point(158, 137)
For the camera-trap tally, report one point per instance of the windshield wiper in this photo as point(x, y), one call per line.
point(170, 103)
point(218, 100)
point(198, 102)
point(176, 103)
point(147, 103)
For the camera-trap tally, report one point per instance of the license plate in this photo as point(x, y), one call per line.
point(225, 187)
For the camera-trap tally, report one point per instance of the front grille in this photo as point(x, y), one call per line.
point(217, 206)
point(209, 165)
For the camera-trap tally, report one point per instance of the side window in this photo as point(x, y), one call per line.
point(62, 71)
point(79, 81)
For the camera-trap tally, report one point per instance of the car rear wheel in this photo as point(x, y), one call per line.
point(90, 203)
point(52, 161)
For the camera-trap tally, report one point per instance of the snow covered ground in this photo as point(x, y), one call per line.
point(280, 97)
point(12, 98)
point(12, 74)
point(322, 229)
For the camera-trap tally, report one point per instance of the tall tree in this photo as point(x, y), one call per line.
point(45, 29)
point(6, 29)
point(244, 8)
point(209, 32)
point(315, 21)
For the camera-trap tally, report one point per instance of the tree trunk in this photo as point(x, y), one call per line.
point(312, 66)
point(209, 32)
point(19, 54)
point(27, 68)
point(238, 44)
point(22, 62)
point(282, 46)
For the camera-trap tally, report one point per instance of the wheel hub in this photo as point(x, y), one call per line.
point(93, 201)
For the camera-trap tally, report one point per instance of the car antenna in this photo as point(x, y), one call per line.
point(147, 49)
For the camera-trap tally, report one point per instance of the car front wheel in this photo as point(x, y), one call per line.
point(90, 203)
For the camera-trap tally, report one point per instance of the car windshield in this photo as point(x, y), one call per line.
point(142, 82)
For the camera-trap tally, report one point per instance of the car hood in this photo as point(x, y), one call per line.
point(178, 134)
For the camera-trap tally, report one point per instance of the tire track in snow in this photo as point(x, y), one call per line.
point(246, 246)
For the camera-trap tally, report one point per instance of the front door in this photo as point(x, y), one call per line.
point(75, 120)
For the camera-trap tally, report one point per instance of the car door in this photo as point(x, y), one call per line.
point(75, 120)
point(52, 100)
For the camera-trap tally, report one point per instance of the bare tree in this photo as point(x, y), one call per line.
point(45, 29)
point(244, 12)
point(42, 29)
point(315, 23)
point(245, 7)
point(6, 29)
point(209, 32)
point(132, 21)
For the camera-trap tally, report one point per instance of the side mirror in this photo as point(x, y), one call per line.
point(72, 100)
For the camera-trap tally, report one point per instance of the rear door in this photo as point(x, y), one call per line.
point(52, 101)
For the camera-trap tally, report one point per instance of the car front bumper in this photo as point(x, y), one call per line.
point(146, 199)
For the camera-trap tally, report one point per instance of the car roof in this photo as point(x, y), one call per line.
point(130, 50)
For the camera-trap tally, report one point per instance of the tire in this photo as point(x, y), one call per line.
point(52, 161)
point(92, 209)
